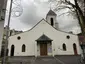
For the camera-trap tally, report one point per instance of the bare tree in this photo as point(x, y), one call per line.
point(77, 7)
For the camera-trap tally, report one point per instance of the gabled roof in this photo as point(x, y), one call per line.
point(44, 38)
point(47, 23)
point(51, 13)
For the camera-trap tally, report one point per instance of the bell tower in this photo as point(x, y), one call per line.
point(51, 19)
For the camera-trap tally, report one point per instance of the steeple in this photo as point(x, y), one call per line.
point(51, 18)
point(51, 13)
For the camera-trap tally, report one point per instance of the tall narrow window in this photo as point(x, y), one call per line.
point(10, 32)
point(52, 23)
point(75, 49)
point(64, 47)
point(12, 50)
point(23, 48)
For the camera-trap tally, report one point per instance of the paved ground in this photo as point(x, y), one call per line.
point(33, 60)
point(45, 60)
point(70, 59)
point(21, 60)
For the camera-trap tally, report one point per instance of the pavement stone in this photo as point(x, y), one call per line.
point(45, 60)
point(69, 59)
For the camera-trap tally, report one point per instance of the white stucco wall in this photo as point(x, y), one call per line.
point(49, 49)
point(28, 38)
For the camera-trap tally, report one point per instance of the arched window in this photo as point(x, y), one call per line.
point(10, 32)
point(74, 46)
point(75, 49)
point(64, 47)
point(23, 48)
point(52, 23)
point(12, 50)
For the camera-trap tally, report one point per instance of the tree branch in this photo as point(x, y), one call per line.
point(69, 3)
point(65, 13)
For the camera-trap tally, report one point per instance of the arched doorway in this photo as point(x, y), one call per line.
point(75, 49)
point(44, 45)
point(12, 50)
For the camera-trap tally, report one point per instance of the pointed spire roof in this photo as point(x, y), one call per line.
point(51, 12)
point(44, 38)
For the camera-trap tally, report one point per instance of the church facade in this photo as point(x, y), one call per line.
point(44, 39)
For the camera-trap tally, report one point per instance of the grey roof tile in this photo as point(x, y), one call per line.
point(44, 38)
point(51, 12)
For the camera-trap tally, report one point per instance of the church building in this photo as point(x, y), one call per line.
point(44, 39)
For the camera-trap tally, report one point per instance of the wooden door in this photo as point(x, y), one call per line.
point(43, 49)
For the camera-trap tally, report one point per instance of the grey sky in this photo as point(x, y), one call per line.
point(34, 11)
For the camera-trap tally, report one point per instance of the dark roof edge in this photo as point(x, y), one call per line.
point(31, 28)
point(38, 23)
point(44, 38)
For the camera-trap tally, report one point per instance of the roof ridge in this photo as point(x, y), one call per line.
point(51, 12)
point(44, 38)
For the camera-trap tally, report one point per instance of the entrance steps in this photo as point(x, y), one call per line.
point(62, 59)
point(46, 60)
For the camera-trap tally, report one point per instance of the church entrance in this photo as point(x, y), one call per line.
point(43, 49)
point(44, 46)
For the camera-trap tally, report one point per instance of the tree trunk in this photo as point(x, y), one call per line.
point(81, 17)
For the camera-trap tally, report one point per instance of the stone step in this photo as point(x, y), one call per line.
point(46, 60)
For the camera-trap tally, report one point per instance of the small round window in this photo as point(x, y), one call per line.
point(18, 37)
point(68, 37)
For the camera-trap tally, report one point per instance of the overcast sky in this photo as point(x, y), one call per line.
point(32, 11)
